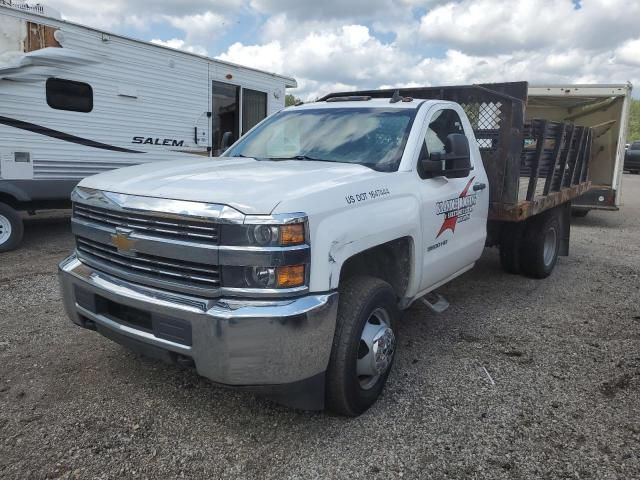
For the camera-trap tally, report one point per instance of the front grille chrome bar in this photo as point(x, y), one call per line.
point(182, 276)
point(180, 230)
point(174, 245)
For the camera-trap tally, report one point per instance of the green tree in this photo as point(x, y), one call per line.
point(290, 100)
point(634, 121)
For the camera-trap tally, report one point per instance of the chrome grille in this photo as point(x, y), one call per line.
point(149, 269)
point(164, 228)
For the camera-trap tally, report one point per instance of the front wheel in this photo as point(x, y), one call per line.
point(11, 228)
point(364, 345)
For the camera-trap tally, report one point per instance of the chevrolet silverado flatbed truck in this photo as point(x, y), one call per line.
point(283, 266)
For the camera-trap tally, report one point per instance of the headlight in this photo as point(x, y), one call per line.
point(263, 235)
point(287, 276)
point(260, 277)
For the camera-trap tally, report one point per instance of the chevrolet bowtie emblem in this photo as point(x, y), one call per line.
point(122, 241)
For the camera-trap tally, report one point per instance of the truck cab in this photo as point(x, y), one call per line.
point(283, 266)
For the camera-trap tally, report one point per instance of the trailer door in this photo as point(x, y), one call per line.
point(225, 118)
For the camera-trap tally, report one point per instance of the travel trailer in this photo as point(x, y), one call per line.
point(76, 101)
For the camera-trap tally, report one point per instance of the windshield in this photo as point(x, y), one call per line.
point(374, 137)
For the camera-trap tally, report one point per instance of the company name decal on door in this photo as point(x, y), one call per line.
point(457, 209)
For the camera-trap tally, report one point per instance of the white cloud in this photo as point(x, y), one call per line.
point(327, 9)
point(268, 57)
point(495, 26)
point(196, 18)
point(180, 44)
point(629, 52)
point(347, 55)
point(139, 13)
point(340, 44)
point(200, 27)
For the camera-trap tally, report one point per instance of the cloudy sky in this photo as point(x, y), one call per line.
point(341, 44)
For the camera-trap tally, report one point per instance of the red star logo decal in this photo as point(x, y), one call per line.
point(450, 222)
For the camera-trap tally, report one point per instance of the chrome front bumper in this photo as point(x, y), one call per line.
point(237, 343)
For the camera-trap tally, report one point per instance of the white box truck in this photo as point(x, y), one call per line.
point(606, 109)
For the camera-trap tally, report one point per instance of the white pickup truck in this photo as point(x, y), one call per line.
point(283, 266)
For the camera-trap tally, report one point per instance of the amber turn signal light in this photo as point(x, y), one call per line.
point(290, 276)
point(292, 234)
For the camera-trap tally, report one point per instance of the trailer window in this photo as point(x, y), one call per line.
point(254, 108)
point(69, 95)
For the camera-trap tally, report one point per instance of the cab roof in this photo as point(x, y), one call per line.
point(413, 104)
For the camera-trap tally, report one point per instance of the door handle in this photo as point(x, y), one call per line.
point(479, 186)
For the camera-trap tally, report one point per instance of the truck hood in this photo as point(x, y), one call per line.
point(250, 186)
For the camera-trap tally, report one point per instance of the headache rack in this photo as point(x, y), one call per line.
point(532, 166)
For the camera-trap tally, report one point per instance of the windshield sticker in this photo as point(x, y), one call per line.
point(364, 196)
point(456, 210)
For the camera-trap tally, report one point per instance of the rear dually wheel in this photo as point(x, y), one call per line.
point(541, 245)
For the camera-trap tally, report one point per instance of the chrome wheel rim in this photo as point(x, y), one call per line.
point(549, 246)
point(376, 349)
point(5, 229)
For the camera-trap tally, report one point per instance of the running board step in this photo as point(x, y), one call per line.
point(435, 302)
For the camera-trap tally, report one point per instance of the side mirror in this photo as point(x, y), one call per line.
point(455, 163)
point(227, 140)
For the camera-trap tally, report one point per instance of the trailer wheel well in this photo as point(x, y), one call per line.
point(9, 200)
point(390, 262)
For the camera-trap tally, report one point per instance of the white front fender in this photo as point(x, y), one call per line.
point(338, 236)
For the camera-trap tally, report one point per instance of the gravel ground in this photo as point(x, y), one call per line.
point(564, 354)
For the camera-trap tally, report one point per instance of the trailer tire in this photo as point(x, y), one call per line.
point(541, 245)
point(364, 343)
point(510, 239)
point(11, 228)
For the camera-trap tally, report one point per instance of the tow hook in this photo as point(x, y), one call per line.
point(184, 361)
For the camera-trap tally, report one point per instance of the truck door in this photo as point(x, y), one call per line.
point(454, 210)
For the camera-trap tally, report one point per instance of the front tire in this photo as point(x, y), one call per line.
point(11, 228)
point(364, 345)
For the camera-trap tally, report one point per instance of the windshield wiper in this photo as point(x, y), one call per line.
point(301, 157)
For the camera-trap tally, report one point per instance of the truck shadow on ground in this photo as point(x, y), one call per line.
point(598, 219)
point(422, 334)
point(45, 232)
